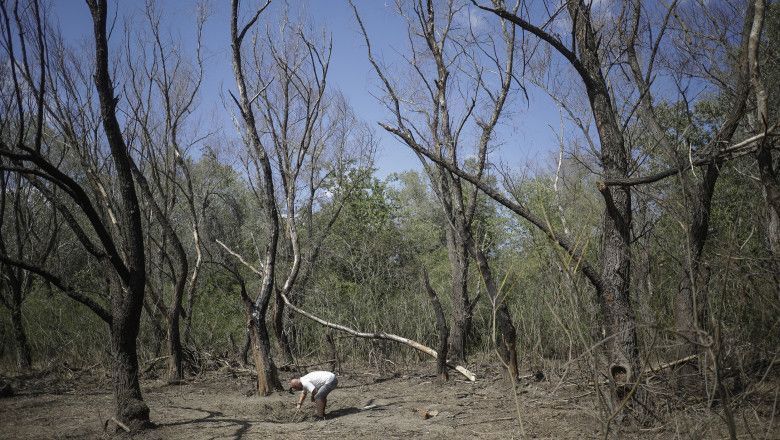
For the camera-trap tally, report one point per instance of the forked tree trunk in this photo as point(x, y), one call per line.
point(506, 337)
point(127, 303)
point(267, 376)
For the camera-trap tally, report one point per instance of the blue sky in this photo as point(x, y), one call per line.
point(526, 137)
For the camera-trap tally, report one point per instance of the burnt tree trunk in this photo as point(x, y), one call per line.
point(130, 406)
point(260, 344)
point(261, 347)
point(127, 302)
point(441, 328)
point(23, 357)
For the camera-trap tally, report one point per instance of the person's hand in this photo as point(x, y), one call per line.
point(297, 406)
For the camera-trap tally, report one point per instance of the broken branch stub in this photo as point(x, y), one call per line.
point(378, 335)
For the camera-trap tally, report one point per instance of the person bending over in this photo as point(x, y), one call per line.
point(319, 384)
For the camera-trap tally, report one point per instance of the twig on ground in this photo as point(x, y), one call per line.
point(117, 422)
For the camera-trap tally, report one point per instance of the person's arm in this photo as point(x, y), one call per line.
point(314, 393)
point(301, 399)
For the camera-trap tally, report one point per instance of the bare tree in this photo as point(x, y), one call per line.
point(26, 148)
point(464, 80)
point(163, 80)
point(267, 378)
point(295, 131)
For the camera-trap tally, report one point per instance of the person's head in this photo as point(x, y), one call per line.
point(296, 384)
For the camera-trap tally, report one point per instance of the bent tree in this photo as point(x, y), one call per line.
point(267, 377)
point(107, 212)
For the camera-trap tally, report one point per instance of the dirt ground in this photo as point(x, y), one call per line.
point(407, 404)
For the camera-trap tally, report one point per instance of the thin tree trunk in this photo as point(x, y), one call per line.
point(244, 355)
point(685, 304)
point(686, 308)
point(332, 353)
point(279, 314)
point(771, 191)
point(441, 328)
point(506, 339)
point(23, 357)
point(175, 363)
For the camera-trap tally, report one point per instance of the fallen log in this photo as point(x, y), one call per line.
point(377, 335)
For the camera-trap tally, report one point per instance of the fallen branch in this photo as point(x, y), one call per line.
point(670, 364)
point(378, 335)
point(117, 422)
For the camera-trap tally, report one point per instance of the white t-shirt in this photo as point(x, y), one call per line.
point(316, 380)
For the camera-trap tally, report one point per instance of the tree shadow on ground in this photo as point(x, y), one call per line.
point(341, 412)
point(211, 417)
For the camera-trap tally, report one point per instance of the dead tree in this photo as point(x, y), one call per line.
point(164, 82)
point(449, 63)
point(311, 138)
point(26, 148)
point(267, 377)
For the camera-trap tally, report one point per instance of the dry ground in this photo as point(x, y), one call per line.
point(76, 404)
